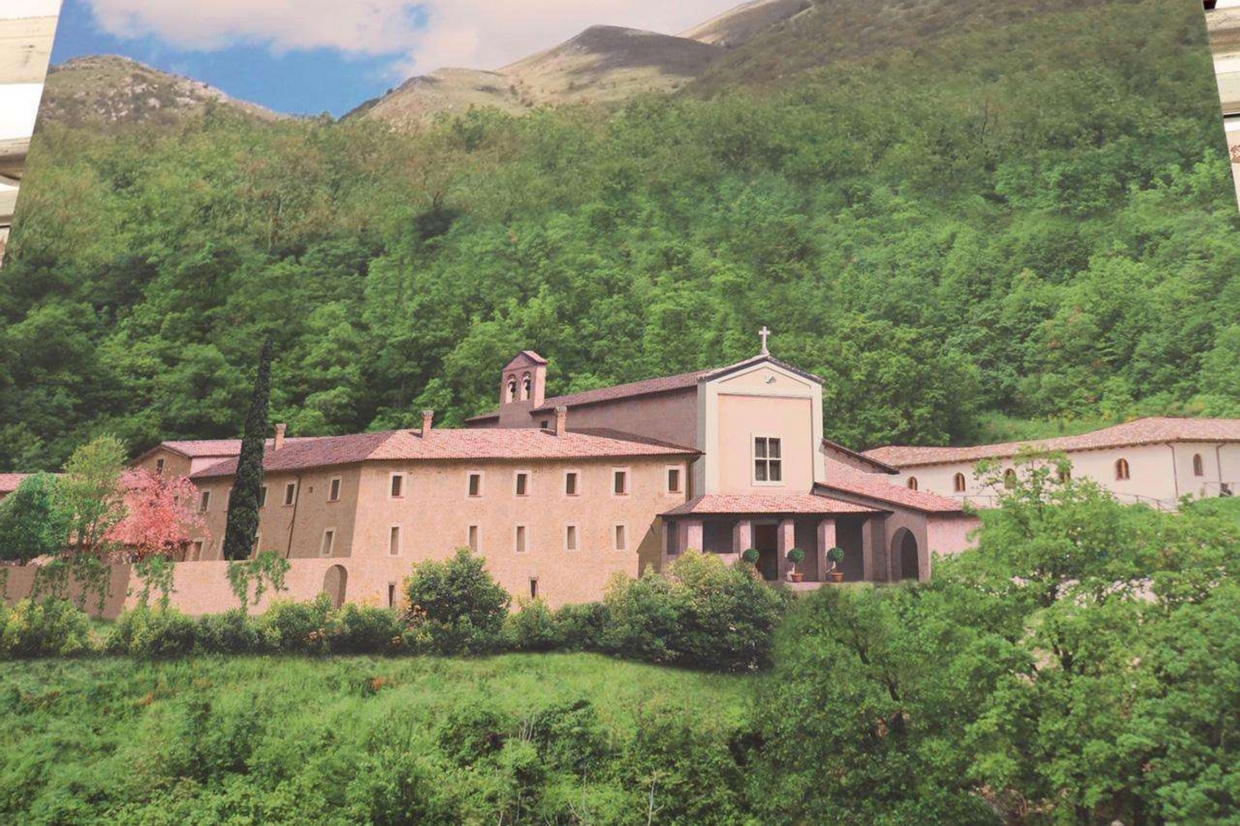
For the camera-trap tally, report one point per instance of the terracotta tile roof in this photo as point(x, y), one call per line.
point(1139, 432)
point(442, 445)
point(10, 481)
point(728, 503)
point(648, 387)
point(880, 489)
point(207, 448)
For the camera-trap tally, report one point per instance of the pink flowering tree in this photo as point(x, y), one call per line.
point(161, 516)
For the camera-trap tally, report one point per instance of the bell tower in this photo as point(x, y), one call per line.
point(523, 387)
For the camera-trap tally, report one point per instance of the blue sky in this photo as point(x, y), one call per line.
point(311, 56)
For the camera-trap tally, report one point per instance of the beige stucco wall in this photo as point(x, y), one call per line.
point(1157, 473)
point(762, 401)
point(669, 417)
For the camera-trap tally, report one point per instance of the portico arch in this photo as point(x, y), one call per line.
point(905, 559)
point(335, 582)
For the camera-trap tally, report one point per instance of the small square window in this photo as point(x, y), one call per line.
point(523, 484)
point(290, 493)
point(622, 540)
point(620, 482)
point(262, 496)
point(673, 480)
point(472, 539)
point(519, 542)
point(571, 483)
point(204, 501)
point(396, 487)
point(333, 490)
point(329, 542)
point(570, 538)
point(475, 484)
point(394, 541)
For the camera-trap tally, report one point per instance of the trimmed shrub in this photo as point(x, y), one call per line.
point(297, 627)
point(364, 630)
point(455, 607)
point(44, 628)
point(152, 634)
point(533, 628)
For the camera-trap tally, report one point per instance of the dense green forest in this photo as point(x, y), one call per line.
point(1032, 219)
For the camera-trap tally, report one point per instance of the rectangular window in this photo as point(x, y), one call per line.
point(391, 595)
point(290, 493)
point(159, 467)
point(262, 496)
point(673, 480)
point(533, 587)
point(329, 541)
point(570, 538)
point(570, 483)
point(768, 465)
point(520, 539)
point(472, 539)
point(523, 483)
point(396, 487)
point(333, 490)
point(475, 484)
point(620, 482)
point(622, 540)
point(204, 502)
point(394, 540)
point(196, 553)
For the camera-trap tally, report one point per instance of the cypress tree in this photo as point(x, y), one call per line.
point(242, 527)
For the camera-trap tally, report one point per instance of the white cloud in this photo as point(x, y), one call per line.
point(430, 34)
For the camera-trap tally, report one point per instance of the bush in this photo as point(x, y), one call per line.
point(455, 607)
point(232, 632)
point(153, 634)
point(581, 626)
point(363, 630)
point(702, 613)
point(44, 628)
point(533, 628)
point(297, 627)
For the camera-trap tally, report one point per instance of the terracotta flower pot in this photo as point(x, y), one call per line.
point(796, 577)
point(836, 576)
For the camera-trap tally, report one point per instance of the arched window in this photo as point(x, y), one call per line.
point(912, 483)
point(1199, 467)
point(958, 483)
point(512, 388)
point(525, 387)
point(1009, 478)
point(1121, 470)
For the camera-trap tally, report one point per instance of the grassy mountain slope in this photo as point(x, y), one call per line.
point(111, 89)
point(738, 26)
point(1030, 221)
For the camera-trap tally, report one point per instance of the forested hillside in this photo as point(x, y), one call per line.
point(1029, 215)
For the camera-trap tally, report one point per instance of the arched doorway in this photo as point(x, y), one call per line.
point(334, 583)
point(904, 555)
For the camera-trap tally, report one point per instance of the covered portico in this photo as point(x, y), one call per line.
point(772, 524)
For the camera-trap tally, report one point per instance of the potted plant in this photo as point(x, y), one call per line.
point(751, 556)
point(836, 557)
point(796, 556)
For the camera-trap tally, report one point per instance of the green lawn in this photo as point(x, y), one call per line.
point(354, 739)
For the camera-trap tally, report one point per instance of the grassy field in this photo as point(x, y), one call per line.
point(351, 739)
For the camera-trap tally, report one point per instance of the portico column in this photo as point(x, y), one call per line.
point(690, 535)
point(826, 541)
point(874, 569)
point(787, 541)
point(742, 536)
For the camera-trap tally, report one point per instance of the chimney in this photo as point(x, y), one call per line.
point(428, 416)
point(279, 441)
point(561, 420)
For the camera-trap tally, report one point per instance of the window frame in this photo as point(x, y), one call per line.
point(469, 479)
point(392, 477)
point(335, 485)
point(1123, 470)
point(912, 484)
point(1199, 465)
point(516, 483)
point(959, 483)
point(290, 487)
point(754, 458)
point(679, 470)
point(204, 500)
point(159, 467)
point(574, 472)
point(572, 531)
point(327, 548)
point(520, 539)
point(620, 531)
point(628, 481)
point(397, 532)
point(262, 496)
point(475, 543)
